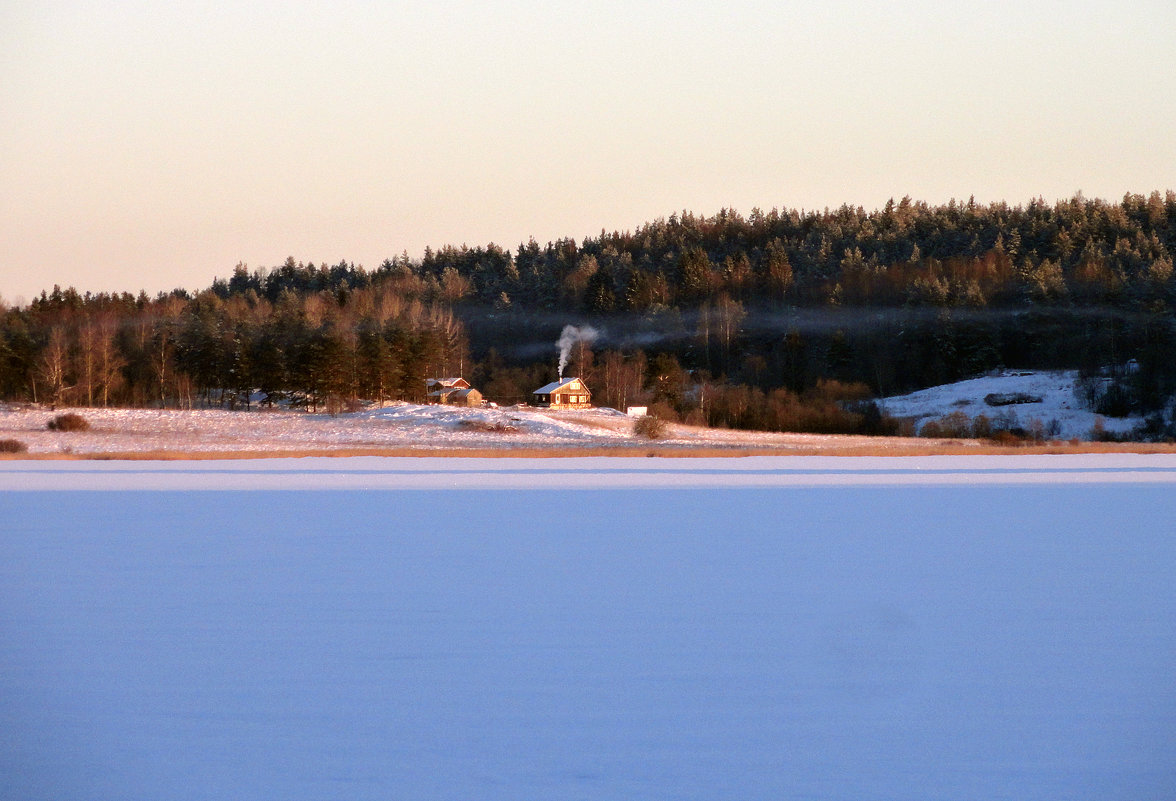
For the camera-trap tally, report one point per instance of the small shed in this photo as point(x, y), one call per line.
point(451, 390)
point(567, 393)
point(465, 397)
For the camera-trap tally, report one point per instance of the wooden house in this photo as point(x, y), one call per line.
point(456, 391)
point(567, 393)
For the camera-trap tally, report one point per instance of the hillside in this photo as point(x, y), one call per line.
point(1048, 398)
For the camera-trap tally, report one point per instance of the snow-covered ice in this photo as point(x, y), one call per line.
point(762, 628)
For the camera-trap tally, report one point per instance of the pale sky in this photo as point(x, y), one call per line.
point(154, 145)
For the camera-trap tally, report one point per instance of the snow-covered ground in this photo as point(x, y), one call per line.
point(409, 426)
point(395, 427)
point(1054, 388)
point(404, 426)
point(759, 628)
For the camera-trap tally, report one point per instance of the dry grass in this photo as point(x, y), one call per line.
point(916, 448)
point(610, 424)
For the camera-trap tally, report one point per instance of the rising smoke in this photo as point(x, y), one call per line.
point(569, 338)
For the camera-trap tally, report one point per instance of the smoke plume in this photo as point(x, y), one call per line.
point(569, 338)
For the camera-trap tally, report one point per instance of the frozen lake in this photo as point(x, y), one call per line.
point(776, 628)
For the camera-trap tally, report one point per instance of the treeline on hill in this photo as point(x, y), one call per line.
point(1077, 251)
point(781, 320)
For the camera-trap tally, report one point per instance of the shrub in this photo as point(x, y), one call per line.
point(663, 411)
point(1008, 438)
point(1011, 398)
point(650, 427)
point(13, 446)
point(956, 425)
point(68, 422)
point(1100, 433)
point(982, 427)
point(833, 390)
point(1115, 402)
point(485, 425)
point(875, 422)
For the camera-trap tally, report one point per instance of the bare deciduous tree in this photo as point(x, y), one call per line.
point(52, 365)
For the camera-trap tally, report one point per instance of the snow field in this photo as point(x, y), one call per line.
point(1055, 388)
point(400, 426)
point(209, 430)
point(396, 427)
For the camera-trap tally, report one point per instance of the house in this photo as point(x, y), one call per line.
point(567, 393)
point(456, 391)
point(465, 397)
point(432, 384)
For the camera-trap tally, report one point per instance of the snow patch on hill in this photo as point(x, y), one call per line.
point(1056, 389)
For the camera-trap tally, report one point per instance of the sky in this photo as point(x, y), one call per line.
point(151, 146)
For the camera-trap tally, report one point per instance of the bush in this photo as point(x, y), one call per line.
point(1117, 401)
point(956, 425)
point(1008, 438)
point(485, 425)
point(1099, 433)
point(982, 427)
point(1011, 398)
point(13, 446)
point(68, 422)
point(875, 422)
point(650, 427)
point(664, 411)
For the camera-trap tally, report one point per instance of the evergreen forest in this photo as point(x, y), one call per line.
point(783, 320)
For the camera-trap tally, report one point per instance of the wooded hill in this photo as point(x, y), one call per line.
point(1077, 251)
point(784, 304)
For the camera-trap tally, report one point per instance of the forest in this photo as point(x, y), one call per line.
point(783, 320)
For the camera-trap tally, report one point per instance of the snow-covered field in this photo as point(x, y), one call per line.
point(397, 427)
point(405, 426)
point(764, 628)
point(401, 425)
point(1055, 389)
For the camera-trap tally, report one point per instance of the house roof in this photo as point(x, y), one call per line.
point(457, 393)
point(556, 386)
point(447, 382)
